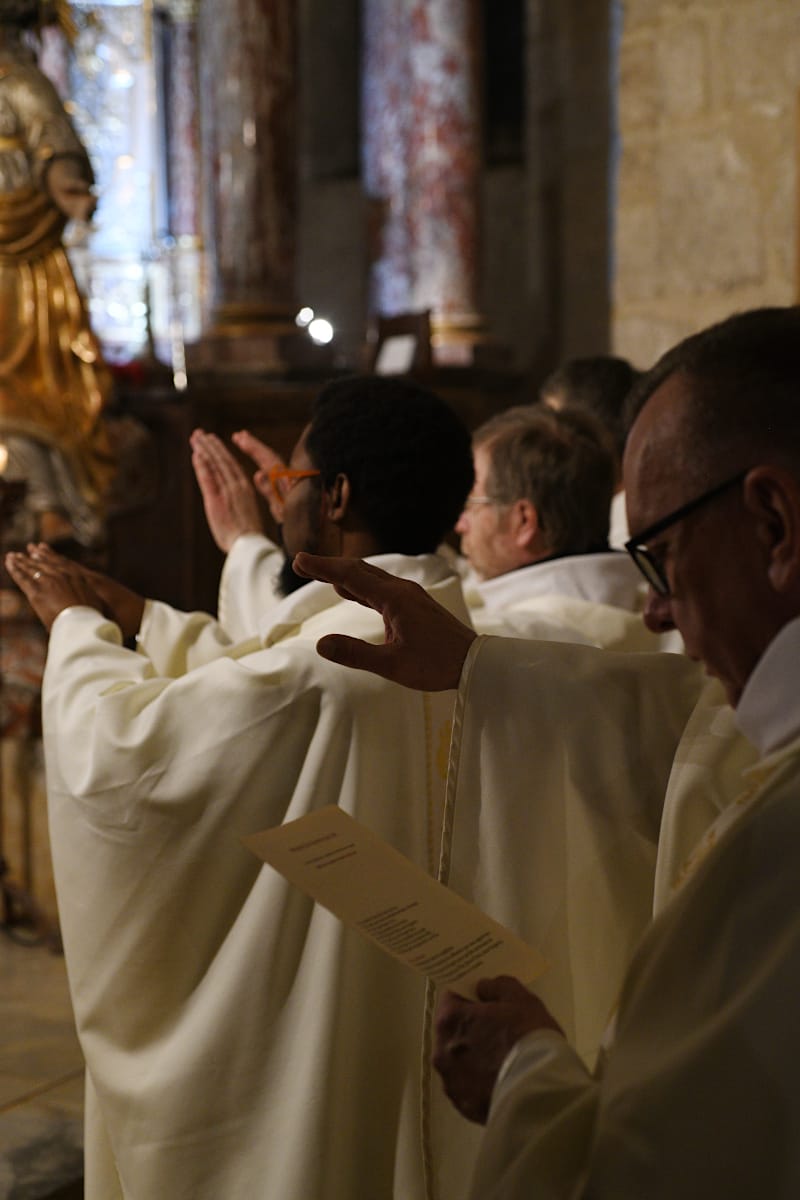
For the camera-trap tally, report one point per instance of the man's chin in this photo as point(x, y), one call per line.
point(288, 581)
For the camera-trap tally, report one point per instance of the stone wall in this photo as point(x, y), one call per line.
point(707, 217)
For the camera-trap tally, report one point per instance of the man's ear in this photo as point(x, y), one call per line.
point(772, 496)
point(338, 498)
point(525, 524)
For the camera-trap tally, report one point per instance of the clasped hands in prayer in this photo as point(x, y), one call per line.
point(229, 496)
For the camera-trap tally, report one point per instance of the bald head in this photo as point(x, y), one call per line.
point(741, 392)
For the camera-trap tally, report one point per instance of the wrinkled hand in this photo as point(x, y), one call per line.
point(228, 496)
point(51, 583)
point(265, 458)
point(473, 1038)
point(425, 645)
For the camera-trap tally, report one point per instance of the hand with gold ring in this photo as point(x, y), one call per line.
point(121, 604)
point(51, 583)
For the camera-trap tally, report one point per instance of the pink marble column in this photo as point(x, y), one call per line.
point(422, 162)
point(183, 121)
point(248, 102)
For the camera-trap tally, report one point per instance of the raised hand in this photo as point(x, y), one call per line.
point(265, 458)
point(121, 603)
point(51, 583)
point(473, 1038)
point(425, 645)
point(229, 499)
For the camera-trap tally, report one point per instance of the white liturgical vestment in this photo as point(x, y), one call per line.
point(697, 1093)
point(598, 597)
point(240, 1043)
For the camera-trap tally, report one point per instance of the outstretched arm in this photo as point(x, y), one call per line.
point(425, 646)
point(228, 495)
point(52, 583)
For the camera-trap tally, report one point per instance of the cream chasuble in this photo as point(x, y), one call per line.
point(560, 760)
point(697, 1095)
point(240, 1043)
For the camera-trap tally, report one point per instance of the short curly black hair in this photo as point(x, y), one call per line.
point(406, 454)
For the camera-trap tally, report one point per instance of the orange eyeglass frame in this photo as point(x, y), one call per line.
point(279, 477)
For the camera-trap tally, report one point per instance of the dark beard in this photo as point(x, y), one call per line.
point(288, 581)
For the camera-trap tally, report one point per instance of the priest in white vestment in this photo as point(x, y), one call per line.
point(696, 1091)
point(233, 1032)
point(534, 531)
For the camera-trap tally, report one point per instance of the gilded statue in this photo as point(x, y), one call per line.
point(53, 383)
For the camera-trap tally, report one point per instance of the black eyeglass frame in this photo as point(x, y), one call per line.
point(636, 546)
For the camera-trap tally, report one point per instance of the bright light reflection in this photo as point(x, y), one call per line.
point(321, 331)
point(304, 317)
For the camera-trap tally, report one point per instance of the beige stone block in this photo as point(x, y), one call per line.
point(636, 258)
point(765, 135)
point(710, 219)
point(644, 337)
point(636, 177)
point(782, 232)
point(759, 49)
point(639, 13)
point(638, 87)
point(683, 69)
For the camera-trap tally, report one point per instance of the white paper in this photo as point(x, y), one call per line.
point(360, 878)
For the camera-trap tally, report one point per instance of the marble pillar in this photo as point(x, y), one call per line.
point(183, 121)
point(185, 258)
point(421, 164)
point(247, 106)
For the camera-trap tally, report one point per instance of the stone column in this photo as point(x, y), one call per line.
point(247, 104)
point(184, 256)
point(422, 163)
point(183, 121)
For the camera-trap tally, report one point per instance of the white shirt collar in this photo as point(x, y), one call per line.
point(768, 712)
point(315, 597)
point(606, 578)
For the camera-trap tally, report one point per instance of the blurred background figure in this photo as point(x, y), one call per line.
point(534, 531)
point(602, 385)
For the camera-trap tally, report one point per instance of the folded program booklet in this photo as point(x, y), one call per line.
point(360, 878)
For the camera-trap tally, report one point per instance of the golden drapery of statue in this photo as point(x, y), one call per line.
point(53, 384)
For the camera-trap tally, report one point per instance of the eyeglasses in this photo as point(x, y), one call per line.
point(474, 501)
point(645, 560)
point(283, 479)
